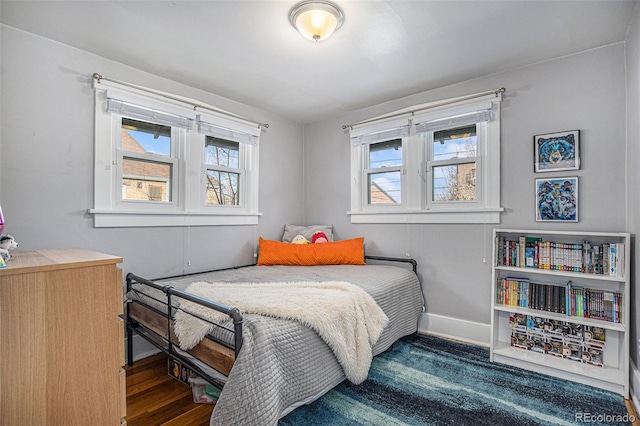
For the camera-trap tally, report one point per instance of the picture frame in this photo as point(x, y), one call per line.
point(553, 152)
point(557, 199)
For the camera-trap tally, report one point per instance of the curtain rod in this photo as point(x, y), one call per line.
point(99, 77)
point(466, 98)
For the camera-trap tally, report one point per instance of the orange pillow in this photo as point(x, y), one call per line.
point(345, 252)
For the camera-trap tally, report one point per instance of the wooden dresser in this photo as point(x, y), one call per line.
point(61, 340)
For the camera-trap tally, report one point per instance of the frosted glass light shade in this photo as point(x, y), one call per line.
point(316, 20)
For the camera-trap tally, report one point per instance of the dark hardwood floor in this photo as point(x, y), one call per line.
point(155, 398)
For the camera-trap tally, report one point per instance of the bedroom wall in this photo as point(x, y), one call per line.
point(584, 91)
point(633, 172)
point(47, 164)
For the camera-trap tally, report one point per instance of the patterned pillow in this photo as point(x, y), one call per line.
point(290, 231)
point(345, 252)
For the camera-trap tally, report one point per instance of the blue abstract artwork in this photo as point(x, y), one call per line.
point(557, 199)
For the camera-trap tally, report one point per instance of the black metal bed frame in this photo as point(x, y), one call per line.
point(167, 346)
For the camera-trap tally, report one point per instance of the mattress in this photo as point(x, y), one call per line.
point(284, 364)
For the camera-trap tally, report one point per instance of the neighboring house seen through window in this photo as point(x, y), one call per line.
point(147, 165)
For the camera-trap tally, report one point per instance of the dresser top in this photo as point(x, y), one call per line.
point(47, 260)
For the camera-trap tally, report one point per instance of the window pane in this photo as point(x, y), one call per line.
point(456, 182)
point(221, 152)
point(139, 136)
point(146, 180)
point(384, 188)
point(222, 188)
point(455, 143)
point(385, 154)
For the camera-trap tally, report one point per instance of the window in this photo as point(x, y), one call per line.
point(452, 164)
point(436, 163)
point(222, 172)
point(384, 172)
point(147, 163)
point(158, 163)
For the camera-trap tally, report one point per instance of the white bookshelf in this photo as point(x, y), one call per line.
point(614, 375)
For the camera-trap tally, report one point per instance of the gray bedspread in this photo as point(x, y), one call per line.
point(284, 364)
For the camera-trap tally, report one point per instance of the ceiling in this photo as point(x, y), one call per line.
point(248, 52)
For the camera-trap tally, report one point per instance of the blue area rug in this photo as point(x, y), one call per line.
point(425, 380)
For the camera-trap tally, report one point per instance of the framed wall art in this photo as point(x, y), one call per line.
point(557, 199)
point(556, 151)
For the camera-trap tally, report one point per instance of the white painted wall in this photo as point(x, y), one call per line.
point(47, 164)
point(584, 91)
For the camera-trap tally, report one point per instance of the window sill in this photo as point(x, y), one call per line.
point(491, 215)
point(126, 219)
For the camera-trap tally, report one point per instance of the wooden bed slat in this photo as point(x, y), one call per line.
point(211, 353)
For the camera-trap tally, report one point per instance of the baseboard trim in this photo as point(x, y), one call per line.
point(456, 329)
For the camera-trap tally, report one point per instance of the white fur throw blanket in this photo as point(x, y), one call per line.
point(343, 314)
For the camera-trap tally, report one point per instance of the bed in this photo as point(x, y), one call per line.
point(267, 366)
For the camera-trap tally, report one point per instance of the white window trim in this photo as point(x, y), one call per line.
point(188, 206)
point(414, 208)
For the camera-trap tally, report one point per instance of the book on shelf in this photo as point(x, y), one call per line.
point(570, 300)
point(531, 259)
point(585, 257)
point(594, 303)
point(521, 292)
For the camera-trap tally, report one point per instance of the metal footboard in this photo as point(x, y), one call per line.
point(165, 341)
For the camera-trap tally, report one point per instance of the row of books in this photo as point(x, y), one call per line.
point(558, 338)
point(585, 257)
point(568, 299)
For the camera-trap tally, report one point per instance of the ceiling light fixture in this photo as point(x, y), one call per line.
point(316, 20)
